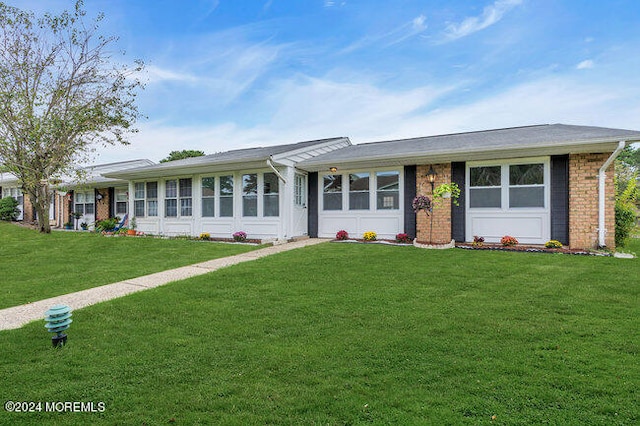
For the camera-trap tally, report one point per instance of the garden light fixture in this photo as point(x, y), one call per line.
point(58, 318)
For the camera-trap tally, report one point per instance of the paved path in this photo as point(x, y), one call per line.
point(18, 316)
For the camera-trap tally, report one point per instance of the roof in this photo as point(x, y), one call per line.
point(536, 140)
point(235, 159)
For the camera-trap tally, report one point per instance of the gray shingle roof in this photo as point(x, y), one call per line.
point(545, 139)
point(237, 156)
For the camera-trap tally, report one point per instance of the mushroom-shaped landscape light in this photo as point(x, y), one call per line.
point(58, 318)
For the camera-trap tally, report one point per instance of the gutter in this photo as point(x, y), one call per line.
point(270, 164)
point(602, 177)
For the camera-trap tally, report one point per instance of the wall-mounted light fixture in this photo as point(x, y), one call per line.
point(333, 169)
point(99, 195)
point(431, 176)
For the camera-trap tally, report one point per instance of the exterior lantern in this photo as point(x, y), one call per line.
point(431, 176)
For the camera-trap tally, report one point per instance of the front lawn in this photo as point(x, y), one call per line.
point(351, 334)
point(34, 266)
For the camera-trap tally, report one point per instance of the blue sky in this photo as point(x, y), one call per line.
point(227, 74)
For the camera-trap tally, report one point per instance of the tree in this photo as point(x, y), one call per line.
point(9, 209)
point(60, 97)
point(181, 155)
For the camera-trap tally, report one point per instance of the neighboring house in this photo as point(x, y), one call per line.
point(535, 183)
point(94, 196)
point(10, 186)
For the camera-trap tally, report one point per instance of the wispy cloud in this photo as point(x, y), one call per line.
point(333, 3)
point(586, 64)
point(156, 74)
point(405, 31)
point(490, 15)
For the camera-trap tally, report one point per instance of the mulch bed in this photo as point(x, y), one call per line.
point(532, 249)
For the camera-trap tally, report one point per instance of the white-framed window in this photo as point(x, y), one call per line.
point(84, 202)
point(208, 196)
point(512, 185)
point(121, 201)
point(226, 196)
point(359, 191)
point(270, 195)
point(388, 190)
point(332, 192)
point(300, 190)
point(250, 195)
point(139, 199)
point(186, 202)
point(152, 198)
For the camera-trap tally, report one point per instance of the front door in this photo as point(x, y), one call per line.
point(299, 205)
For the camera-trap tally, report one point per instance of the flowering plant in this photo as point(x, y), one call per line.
point(553, 244)
point(403, 238)
point(477, 241)
point(370, 236)
point(508, 241)
point(240, 236)
point(421, 202)
point(205, 236)
point(342, 235)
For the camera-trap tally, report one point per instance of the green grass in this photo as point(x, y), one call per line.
point(351, 334)
point(34, 266)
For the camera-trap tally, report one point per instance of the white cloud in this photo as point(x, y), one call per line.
point(156, 74)
point(405, 31)
point(586, 64)
point(490, 15)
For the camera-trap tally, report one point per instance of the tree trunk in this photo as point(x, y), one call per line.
point(41, 203)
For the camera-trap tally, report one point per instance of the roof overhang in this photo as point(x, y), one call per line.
point(469, 154)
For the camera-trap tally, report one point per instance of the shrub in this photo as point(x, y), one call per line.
point(205, 236)
point(477, 241)
point(370, 236)
point(9, 209)
point(239, 236)
point(553, 244)
point(625, 217)
point(508, 241)
point(106, 225)
point(403, 238)
point(342, 235)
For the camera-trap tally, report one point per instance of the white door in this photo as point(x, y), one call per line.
point(300, 211)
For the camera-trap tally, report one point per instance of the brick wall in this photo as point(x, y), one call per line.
point(27, 209)
point(102, 206)
point(441, 231)
point(583, 201)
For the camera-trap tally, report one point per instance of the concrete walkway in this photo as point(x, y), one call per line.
point(18, 316)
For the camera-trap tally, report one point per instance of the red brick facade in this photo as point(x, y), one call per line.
point(583, 201)
point(440, 233)
point(102, 206)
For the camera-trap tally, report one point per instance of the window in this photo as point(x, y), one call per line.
point(271, 200)
point(332, 192)
point(250, 195)
point(507, 186)
point(186, 202)
point(299, 190)
point(226, 196)
point(152, 198)
point(485, 187)
point(84, 203)
point(171, 198)
point(121, 201)
point(526, 185)
point(208, 196)
point(359, 191)
point(388, 190)
point(138, 199)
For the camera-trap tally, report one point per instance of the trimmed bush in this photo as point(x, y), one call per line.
point(9, 209)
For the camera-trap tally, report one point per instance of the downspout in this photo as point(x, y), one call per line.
point(270, 164)
point(602, 177)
